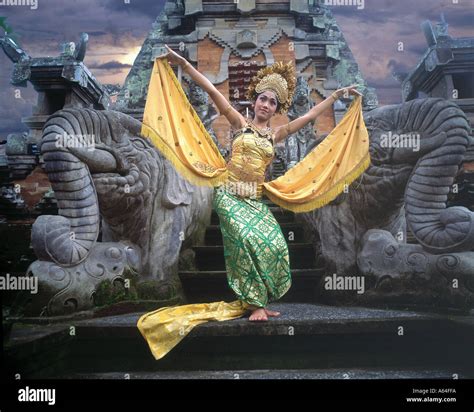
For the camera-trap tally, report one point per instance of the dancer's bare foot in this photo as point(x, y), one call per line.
point(272, 313)
point(258, 315)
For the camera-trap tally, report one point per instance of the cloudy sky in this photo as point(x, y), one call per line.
point(117, 29)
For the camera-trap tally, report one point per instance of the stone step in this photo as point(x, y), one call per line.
point(368, 373)
point(281, 215)
point(305, 337)
point(207, 286)
point(212, 257)
point(293, 232)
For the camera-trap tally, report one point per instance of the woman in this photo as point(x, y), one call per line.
point(255, 283)
point(255, 250)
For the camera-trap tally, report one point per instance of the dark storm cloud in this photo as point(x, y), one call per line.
point(418, 49)
point(15, 103)
point(368, 14)
point(117, 27)
point(460, 18)
point(140, 7)
point(109, 65)
point(398, 67)
point(97, 33)
point(389, 83)
point(60, 21)
point(458, 15)
point(110, 25)
point(375, 32)
point(388, 90)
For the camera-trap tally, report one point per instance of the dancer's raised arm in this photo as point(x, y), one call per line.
point(223, 105)
point(284, 131)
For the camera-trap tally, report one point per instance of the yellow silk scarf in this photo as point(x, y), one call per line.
point(174, 127)
point(164, 328)
point(328, 169)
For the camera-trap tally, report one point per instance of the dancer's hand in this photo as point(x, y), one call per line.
point(172, 57)
point(346, 91)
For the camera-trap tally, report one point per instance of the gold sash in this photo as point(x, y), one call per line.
point(328, 169)
point(164, 328)
point(174, 127)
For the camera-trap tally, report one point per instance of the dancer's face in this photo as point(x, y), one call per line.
point(265, 106)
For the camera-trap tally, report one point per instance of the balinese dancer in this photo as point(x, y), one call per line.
point(255, 250)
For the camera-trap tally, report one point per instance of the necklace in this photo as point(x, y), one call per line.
point(263, 132)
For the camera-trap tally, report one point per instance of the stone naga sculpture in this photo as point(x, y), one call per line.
point(416, 150)
point(106, 177)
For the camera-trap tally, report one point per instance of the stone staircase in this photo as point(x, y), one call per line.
point(308, 341)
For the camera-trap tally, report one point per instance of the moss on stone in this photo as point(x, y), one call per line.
point(132, 288)
point(152, 289)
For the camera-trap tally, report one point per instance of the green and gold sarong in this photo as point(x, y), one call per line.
point(255, 250)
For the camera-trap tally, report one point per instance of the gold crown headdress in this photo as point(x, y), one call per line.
point(280, 78)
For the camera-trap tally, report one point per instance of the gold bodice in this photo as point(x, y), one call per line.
point(252, 152)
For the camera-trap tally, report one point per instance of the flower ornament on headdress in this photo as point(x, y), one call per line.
point(280, 78)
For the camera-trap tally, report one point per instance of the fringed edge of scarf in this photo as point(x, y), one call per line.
point(181, 168)
point(325, 198)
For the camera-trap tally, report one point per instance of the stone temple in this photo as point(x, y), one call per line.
point(102, 257)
